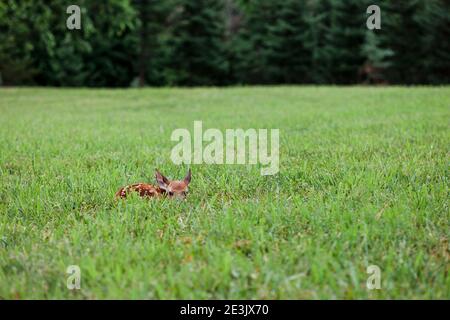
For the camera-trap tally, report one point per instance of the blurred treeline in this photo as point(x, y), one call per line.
point(223, 42)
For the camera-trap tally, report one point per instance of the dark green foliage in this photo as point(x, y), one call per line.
point(17, 48)
point(417, 33)
point(222, 42)
point(58, 55)
point(344, 40)
point(436, 41)
point(288, 54)
point(151, 32)
point(111, 61)
point(271, 46)
point(37, 40)
point(373, 52)
point(196, 44)
point(250, 43)
point(402, 33)
point(320, 23)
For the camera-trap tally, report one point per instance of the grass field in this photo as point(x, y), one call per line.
point(363, 181)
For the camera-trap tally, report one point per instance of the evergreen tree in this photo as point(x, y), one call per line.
point(376, 59)
point(344, 41)
point(250, 44)
point(16, 48)
point(38, 48)
point(114, 41)
point(373, 52)
point(218, 42)
point(435, 21)
point(319, 20)
point(197, 48)
point(60, 53)
point(152, 58)
point(288, 57)
point(271, 46)
point(402, 33)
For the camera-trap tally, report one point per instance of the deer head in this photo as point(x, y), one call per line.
point(175, 188)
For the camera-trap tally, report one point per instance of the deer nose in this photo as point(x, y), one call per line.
point(180, 197)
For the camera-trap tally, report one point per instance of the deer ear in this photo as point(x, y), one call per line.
point(187, 179)
point(163, 182)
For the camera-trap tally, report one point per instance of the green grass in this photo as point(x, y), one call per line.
point(363, 180)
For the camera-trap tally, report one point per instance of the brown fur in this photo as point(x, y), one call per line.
point(175, 188)
point(144, 190)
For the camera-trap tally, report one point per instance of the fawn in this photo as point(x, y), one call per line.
point(173, 189)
